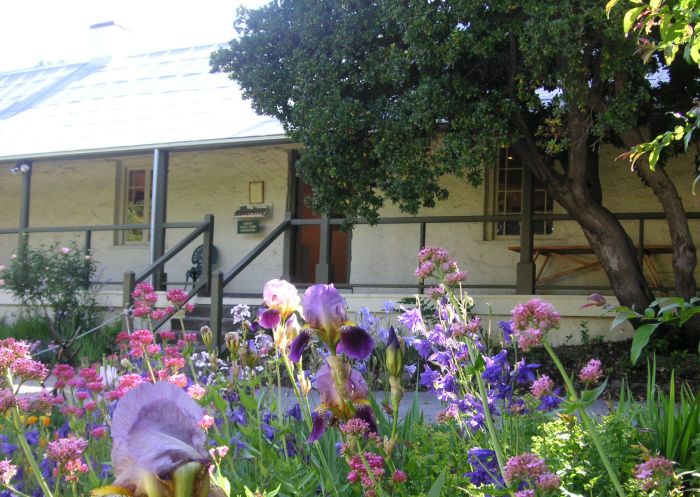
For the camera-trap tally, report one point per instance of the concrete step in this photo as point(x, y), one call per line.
point(200, 317)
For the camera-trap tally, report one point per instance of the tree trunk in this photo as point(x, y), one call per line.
point(684, 254)
point(578, 191)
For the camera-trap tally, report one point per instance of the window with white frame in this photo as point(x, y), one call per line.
point(134, 207)
point(509, 196)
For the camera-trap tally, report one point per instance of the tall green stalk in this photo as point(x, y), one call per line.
point(587, 422)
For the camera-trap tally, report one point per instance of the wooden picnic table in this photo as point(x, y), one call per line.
point(576, 264)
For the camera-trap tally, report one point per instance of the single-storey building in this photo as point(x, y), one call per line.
point(130, 154)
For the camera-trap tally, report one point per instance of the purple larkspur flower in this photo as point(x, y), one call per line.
point(423, 347)
point(428, 377)
point(497, 368)
point(154, 431)
point(412, 319)
point(507, 329)
point(443, 359)
point(525, 373)
point(388, 306)
point(484, 467)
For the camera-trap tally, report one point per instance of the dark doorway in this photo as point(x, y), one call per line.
point(306, 243)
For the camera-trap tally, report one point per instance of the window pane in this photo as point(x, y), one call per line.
point(137, 199)
point(513, 202)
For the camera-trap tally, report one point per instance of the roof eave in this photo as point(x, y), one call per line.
point(183, 146)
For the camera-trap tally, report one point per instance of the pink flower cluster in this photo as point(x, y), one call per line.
point(12, 350)
point(29, 369)
point(126, 382)
point(67, 452)
point(655, 473)
point(355, 427)
point(7, 400)
point(542, 386)
point(436, 261)
point(531, 321)
point(359, 471)
point(144, 299)
point(7, 471)
point(141, 342)
point(177, 299)
point(38, 403)
point(531, 468)
point(591, 372)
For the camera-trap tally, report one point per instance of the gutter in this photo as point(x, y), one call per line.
point(181, 146)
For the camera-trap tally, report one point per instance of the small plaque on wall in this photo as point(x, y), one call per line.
point(248, 226)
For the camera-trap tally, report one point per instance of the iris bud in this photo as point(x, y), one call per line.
point(233, 341)
point(394, 354)
point(207, 336)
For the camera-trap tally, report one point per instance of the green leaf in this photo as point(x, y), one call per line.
point(621, 318)
point(588, 397)
point(689, 313)
point(631, 17)
point(640, 340)
point(609, 6)
point(654, 157)
point(438, 484)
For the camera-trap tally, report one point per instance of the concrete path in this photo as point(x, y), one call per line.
point(429, 404)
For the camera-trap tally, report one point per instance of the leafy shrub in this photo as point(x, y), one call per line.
point(53, 283)
point(564, 444)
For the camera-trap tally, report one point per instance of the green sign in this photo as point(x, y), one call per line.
point(248, 226)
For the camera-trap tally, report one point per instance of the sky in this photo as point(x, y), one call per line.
point(34, 32)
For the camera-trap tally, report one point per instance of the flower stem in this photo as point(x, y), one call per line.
point(30, 457)
point(587, 422)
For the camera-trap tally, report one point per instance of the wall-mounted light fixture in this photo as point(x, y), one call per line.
point(21, 167)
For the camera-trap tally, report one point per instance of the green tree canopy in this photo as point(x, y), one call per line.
point(388, 96)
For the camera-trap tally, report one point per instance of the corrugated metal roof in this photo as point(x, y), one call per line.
point(144, 100)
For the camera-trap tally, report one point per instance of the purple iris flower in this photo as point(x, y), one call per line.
point(155, 430)
point(355, 386)
point(269, 319)
point(324, 307)
point(296, 348)
point(319, 420)
point(355, 343)
point(333, 404)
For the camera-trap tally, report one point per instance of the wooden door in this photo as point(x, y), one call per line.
point(306, 243)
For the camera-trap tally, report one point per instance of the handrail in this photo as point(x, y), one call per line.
point(72, 229)
point(196, 288)
point(160, 261)
point(266, 242)
point(94, 227)
point(625, 216)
